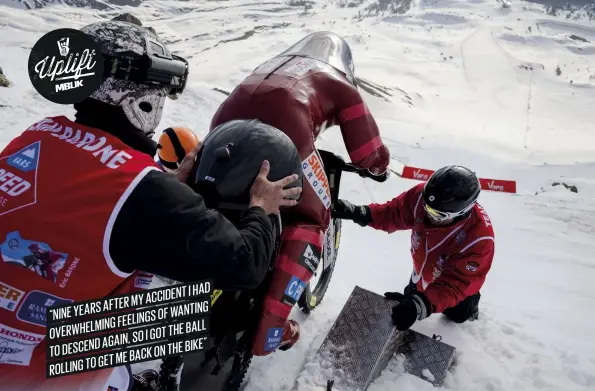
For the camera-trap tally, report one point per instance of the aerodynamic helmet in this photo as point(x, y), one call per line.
point(231, 157)
point(139, 72)
point(451, 192)
point(328, 47)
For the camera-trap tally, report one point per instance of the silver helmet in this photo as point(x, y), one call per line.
point(140, 72)
point(327, 47)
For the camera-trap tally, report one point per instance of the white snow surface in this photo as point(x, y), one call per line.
point(473, 83)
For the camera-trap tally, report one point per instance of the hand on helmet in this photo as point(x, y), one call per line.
point(183, 173)
point(358, 214)
point(270, 196)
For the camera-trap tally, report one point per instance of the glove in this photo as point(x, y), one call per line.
point(358, 214)
point(410, 308)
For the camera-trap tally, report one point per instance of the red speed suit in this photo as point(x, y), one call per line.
point(450, 263)
point(301, 96)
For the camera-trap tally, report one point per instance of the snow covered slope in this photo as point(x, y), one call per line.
point(449, 81)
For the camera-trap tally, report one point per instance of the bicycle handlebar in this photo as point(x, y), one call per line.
point(364, 172)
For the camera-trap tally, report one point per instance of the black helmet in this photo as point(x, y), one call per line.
point(451, 192)
point(327, 47)
point(231, 157)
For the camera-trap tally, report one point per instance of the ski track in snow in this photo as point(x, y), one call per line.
point(463, 82)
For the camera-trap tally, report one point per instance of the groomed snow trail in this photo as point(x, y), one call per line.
point(462, 82)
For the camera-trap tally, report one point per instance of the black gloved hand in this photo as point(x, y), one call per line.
point(358, 214)
point(410, 308)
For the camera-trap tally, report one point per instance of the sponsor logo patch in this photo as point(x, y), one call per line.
point(294, 290)
point(9, 296)
point(34, 307)
point(18, 179)
point(310, 258)
point(314, 173)
point(472, 266)
point(273, 339)
point(16, 346)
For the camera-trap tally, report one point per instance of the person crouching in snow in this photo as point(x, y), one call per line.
point(452, 244)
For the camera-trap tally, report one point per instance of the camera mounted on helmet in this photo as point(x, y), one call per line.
point(156, 67)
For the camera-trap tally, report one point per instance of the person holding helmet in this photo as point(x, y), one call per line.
point(173, 146)
point(452, 244)
point(304, 90)
point(96, 194)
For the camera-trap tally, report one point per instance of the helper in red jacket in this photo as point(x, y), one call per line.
point(302, 91)
point(452, 244)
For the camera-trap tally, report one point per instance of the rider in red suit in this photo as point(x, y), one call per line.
point(452, 244)
point(302, 91)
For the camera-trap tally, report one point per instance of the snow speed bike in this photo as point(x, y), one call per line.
point(235, 316)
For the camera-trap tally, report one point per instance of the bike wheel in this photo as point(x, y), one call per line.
point(318, 284)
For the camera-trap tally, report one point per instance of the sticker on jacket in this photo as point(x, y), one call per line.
point(35, 306)
point(18, 179)
point(314, 173)
point(9, 296)
point(35, 256)
point(273, 339)
point(16, 346)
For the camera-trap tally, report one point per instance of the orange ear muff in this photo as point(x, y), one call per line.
point(179, 151)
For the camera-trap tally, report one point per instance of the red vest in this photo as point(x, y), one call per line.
point(61, 188)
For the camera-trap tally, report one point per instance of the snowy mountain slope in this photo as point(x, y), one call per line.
point(450, 81)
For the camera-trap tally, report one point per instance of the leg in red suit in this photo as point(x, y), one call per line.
point(298, 259)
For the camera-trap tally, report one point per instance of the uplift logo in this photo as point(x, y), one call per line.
point(66, 66)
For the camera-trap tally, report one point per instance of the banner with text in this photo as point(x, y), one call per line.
point(500, 185)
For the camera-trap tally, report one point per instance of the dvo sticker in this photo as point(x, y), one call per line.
point(9, 296)
point(294, 289)
point(314, 173)
point(35, 306)
point(273, 339)
point(16, 346)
